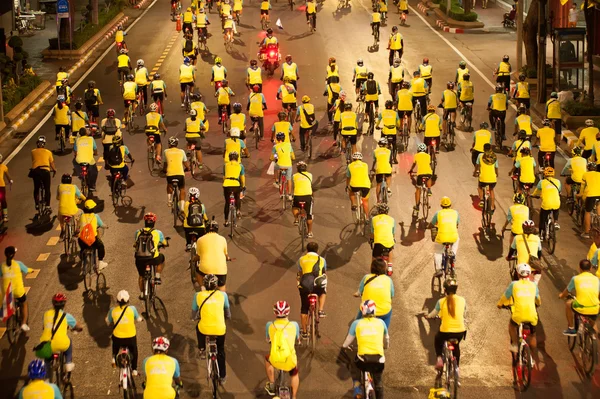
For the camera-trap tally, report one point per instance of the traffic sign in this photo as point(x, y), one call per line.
point(62, 9)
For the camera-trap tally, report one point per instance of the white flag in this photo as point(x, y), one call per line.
point(278, 23)
point(271, 170)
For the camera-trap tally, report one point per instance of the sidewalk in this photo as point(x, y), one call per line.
point(492, 17)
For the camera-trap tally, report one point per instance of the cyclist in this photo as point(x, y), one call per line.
point(460, 72)
point(590, 192)
point(382, 5)
point(238, 120)
point(497, 105)
point(229, 28)
point(218, 73)
point(194, 133)
point(188, 47)
point(142, 79)
point(432, 123)
point(503, 74)
point(357, 180)
point(419, 90)
point(282, 333)
point(576, 166)
point(110, 127)
point(405, 103)
point(234, 180)
point(89, 223)
point(588, 137)
point(465, 92)
point(391, 123)
point(303, 192)
point(395, 77)
point(383, 229)
point(382, 166)
point(526, 246)
point(123, 64)
point(175, 164)
point(147, 242)
point(42, 162)
point(287, 94)
point(596, 149)
point(451, 310)
point(211, 248)
point(372, 92)
point(283, 155)
point(93, 100)
point(67, 195)
point(62, 117)
point(4, 178)
point(233, 143)
point(403, 8)
point(522, 92)
point(154, 125)
point(395, 45)
point(523, 122)
point(526, 166)
point(11, 272)
point(194, 217)
point(84, 152)
point(422, 162)
point(282, 126)
point(238, 6)
point(160, 371)
point(187, 76)
point(130, 89)
point(359, 76)
point(426, 72)
point(548, 189)
point(333, 71)
point(372, 337)
point(62, 75)
point(224, 94)
point(449, 103)
point(124, 334)
point(256, 107)
point(79, 118)
point(115, 159)
point(212, 307)
point(225, 10)
point(308, 121)
point(523, 297)
point(188, 19)
point(56, 325)
point(202, 23)
point(311, 280)
point(289, 70)
point(254, 76)
point(269, 40)
point(480, 138)
point(554, 112)
point(517, 215)
point(446, 222)
point(333, 89)
point(36, 372)
point(349, 127)
point(338, 107)
point(375, 22)
point(548, 143)
point(265, 6)
point(518, 145)
point(584, 289)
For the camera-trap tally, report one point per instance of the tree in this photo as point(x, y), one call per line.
point(589, 10)
point(467, 6)
point(530, 31)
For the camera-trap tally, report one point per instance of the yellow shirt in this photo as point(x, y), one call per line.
point(41, 158)
point(218, 73)
point(13, 275)
point(123, 61)
point(578, 168)
point(67, 199)
point(466, 91)
point(519, 145)
point(61, 340)
point(285, 154)
point(405, 97)
point(423, 161)
point(232, 145)
point(588, 137)
point(126, 327)
point(302, 183)
point(226, 9)
point(85, 150)
point(546, 136)
point(212, 317)
point(460, 73)
point(129, 91)
point(212, 250)
point(306, 109)
point(524, 293)
point(200, 109)
point(432, 125)
point(395, 41)
point(504, 69)
point(107, 138)
point(587, 287)
point(370, 332)
point(192, 128)
point(78, 120)
point(89, 218)
point(553, 109)
point(425, 71)
point(550, 193)
point(175, 157)
point(450, 99)
point(157, 238)
point(417, 87)
point(527, 170)
point(358, 171)
point(290, 332)
point(522, 90)
point(382, 160)
point(188, 17)
point(533, 242)
point(238, 120)
point(159, 370)
point(237, 5)
point(591, 251)
point(283, 127)
point(256, 105)
point(308, 261)
point(254, 76)
point(591, 181)
point(397, 73)
point(451, 324)
point(289, 70)
point(3, 170)
point(383, 230)
point(334, 72)
point(39, 389)
point(288, 95)
point(389, 117)
point(223, 96)
point(524, 123)
point(61, 115)
point(379, 290)
point(60, 76)
point(141, 76)
point(186, 73)
point(498, 102)
point(376, 17)
point(519, 214)
point(265, 5)
point(447, 225)
point(482, 136)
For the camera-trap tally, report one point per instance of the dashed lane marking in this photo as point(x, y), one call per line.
point(2, 331)
point(52, 241)
point(33, 274)
point(43, 257)
point(27, 290)
point(164, 54)
point(57, 228)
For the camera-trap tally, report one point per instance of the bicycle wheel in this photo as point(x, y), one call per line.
point(160, 311)
point(67, 240)
point(452, 382)
point(131, 392)
point(192, 265)
point(148, 296)
point(67, 391)
point(551, 233)
point(310, 147)
point(151, 159)
point(425, 204)
point(313, 329)
point(175, 207)
point(87, 273)
point(256, 137)
point(62, 140)
point(231, 220)
point(116, 193)
point(525, 365)
point(12, 329)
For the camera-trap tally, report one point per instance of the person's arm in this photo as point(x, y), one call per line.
point(435, 311)
point(506, 297)
point(361, 286)
point(538, 189)
point(226, 307)
point(412, 167)
point(109, 318)
point(570, 289)
point(243, 177)
point(351, 335)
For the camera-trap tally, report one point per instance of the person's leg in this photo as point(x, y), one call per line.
point(238, 202)
point(492, 199)
point(46, 183)
point(24, 312)
point(226, 193)
point(378, 380)
point(69, 356)
point(221, 356)
point(201, 340)
point(569, 313)
point(270, 370)
point(438, 344)
point(116, 345)
point(437, 256)
point(295, 384)
point(303, 310)
point(37, 184)
point(512, 333)
point(133, 351)
point(99, 245)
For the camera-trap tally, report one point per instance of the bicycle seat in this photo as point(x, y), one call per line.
point(453, 341)
point(302, 203)
point(527, 326)
point(448, 244)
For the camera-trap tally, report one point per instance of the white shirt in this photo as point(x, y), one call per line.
point(573, 15)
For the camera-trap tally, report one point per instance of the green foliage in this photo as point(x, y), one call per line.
point(457, 12)
point(15, 41)
point(586, 108)
point(104, 18)
point(13, 94)
point(531, 72)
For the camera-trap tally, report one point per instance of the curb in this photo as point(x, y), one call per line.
point(113, 29)
point(140, 4)
point(29, 99)
point(569, 137)
point(444, 27)
point(423, 8)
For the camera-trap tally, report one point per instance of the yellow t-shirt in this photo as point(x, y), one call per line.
point(254, 76)
point(291, 333)
point(238, 120)
point(382, 160)
point(159, 370)
point(232, 145)
point(432, 124)
point(417, 87)
point(62, 115)
point(550, 193)
point(546, 136)
point(527, 170)
point(129, 91)
point(452, 324)
point(61, 340)
point(285, 154)
point(591, 182)
point(450, 99)
point(288, 94)
point(212, 250)
point(553, 107)
point(395, 41)
point(380, 291)
point(126, 327)
point(370, 332)
point(13, 275)
point(348, 123)
point(218, 73)
point(358, 171)
point(175, 157)
point(308, 261)
point(67, 199)
point(522, 90)
point(523, 308)
point(78, 120)
point(578, 168)
point(256, 105)
point(39, 389)
point(85, 150)
point(533, 242)
point(141, 76)
point(3, 170)
point(519, 214)
point(498, 102)
point(447, 225)
point(41, 158)
point(212, 317)
point(588, 137)
point(389, 119)
point(289, 70)
point(306, 109)
point(383, 230)
point(405, 97)
point(460, 73)
point(587, 287)
point(123, 61)
point(423, 161)
point(481, 136)
point(524, 123)
point(223, 96)
point(466, 91)
point(186, 73)
point(302, 183)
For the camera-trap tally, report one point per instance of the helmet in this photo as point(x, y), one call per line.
point(123, 296)
point(422, 147)
point(554, 95)
point(483, 125)
point(370, 75)
point(367, 308)
point(416, 73)
point(528, 225)
point(173, 141)
point(186, 60)
point(110, 113)
point(546, 122)
point(523, 269)
point(256, 88)
point(522, 77)
point(193, 112)
point(210, 282)
point(130, 78)
point(589, 122)
point(505, 58)
point(160, 344)
point(302, 166)
point(41, 140)
point(123, 51)
point(359, 62)
point(140, 62)
point(253, 63)
point(66, 179)
point(348, 107)
point(196, 97)
point(224, 82)
point(280, 136)
point(342, 95)
point(120, 27)
point(194, 192)
point(357, 156)
point(287, 79)
point(431, 108)
point(59, 299)
point(522, 134)
point(234, 156)
point(189, 9)
point(156, 76)
point(499, 88)
point(61, 98)
point(218, 60)
point(591, 166)
point(548, 171)
point(153, 107)
point(237, 107)
point(525, 151)
point(382, 141)
point(234, 132)
point(150, 217)
point(445, 202)
point(281, 115)
point(269, 31)
point(305, 99)
point(89, 204)
point(462, 64)
point(36, 370)
point(394, 28)
point(519, 198)
point(331, 60)
point(450, 285)
point(389, 104)
point(425, 61)
point(281, 309)
point(450, 85)
point(91, 84)
point(522, 109)
point(213, 226)
point(577, 151)
point(288, 58)
point(201, 9)
point(383, 208)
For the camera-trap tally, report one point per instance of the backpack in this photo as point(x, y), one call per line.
point(87, 234)
point(334, 94)
point(371, 87)
point(144, 245)
point(110, 126)
point(280, 347)
point(61, 90)
point(189, 46)
point(194, 218)
point(90, 97)
point(307, 281)
point(114, 156)
point(310, 119)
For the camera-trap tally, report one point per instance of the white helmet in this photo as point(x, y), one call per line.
point(123, 296)
point(523, 269)
point(589, 122)
point(194, 192)
point(161, 344)
point(153, 107)
point(234, 132)
point(193, 112)
point(140, 62)
point(356, 155)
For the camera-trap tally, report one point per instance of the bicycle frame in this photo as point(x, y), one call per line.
point(313, 320)
point(448, 258)
point(232, 213)
point(449, 370)
point(212, 366)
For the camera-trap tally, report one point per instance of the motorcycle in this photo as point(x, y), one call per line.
point(270, 58)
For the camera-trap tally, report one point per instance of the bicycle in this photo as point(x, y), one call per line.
point(70, 237)
point(360, 219)
point(549, 236)
point(486, 212)
point(202, 40)
point(291, 3)
point(302, 224)
point(309, 144)
point(522, 362)
point(232, 217)
point(586, 341)
point(62, 140)
point(371, 116)
point(13, 323)
point(224, 117)
point(141, 107)
point(383, 192)
point(431, 150)
point(126, 380)
point(255, 131)
point(448, 375)
point(404, 134)
point(283, 188)
point(497, 126)
point(282, 389)
point(367, 384)
point(313, 322)
point(89, 268)
point(119, 190)
point(424, 197)
point(129, 117)
point(402, 18)
point(212, 366)
point(228, 38)
point(175, 10)
point(418, 116)
point(347, 148)
point(195, 165)
point(575, 205)
point(153, 163)
point(595, 218)
point(264, 23)
point(41, 206)
point(59, 376)
point(83, 176)
point(193, 256)
point(151, 300)
point(186, 99)
point(466, 116)
point(289, 114)
point(450, 137)
point(175, 205)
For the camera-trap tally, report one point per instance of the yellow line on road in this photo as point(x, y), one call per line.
point(53, 241)
point(43, 257)
point(27, 290)
point(33, 274)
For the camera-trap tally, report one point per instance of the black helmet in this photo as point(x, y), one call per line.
point(499, 88)
point(389, 104)
point(210, 282)
point(302, 166)
point(66, 179)
point(370, 75)
point(130, 78)
point(522, 77)
point(483, 125)
point(505, 58)
point(450, 286)
point(253, 63)
point(269, 31)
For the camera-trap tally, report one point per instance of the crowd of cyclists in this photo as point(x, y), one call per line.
point(409, 113)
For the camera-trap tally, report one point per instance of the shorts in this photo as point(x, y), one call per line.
point(183, 85)
point(127, 102)
point(197, 142)
point(264, 12)
point(158, 97)
point(287, 171)
point(402, 113)
point(123, 70)
point(291, 106)
point(308, 201)
point(141, 264)
point(380, 176)
point(305, 304)
point(368, 105)
point(21, 299)
point(589, 316)
point(293, 372)
point(177, 178)
point(379, 249)
point(522, 185)
point(490, 185)
point(352, 137)
point(531, 326)
point(94, 110)
point(221, 278)
point(359, 82)
point(156, 137)
point(364, 191)
point(422, 179)
point(405, 12)
point(524, 101)
point(590, 202)
point(449, 111)
point(464, 103)
point(571, 181)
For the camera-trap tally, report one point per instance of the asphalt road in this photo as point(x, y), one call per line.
point(266, 245)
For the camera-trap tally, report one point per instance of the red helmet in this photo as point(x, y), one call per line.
point(256, 88)
point(110, 113)
point(425, 60)
point(59, 299)
point(150, 217)
point(281, 309)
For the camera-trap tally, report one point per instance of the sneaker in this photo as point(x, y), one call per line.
point(556, 226)
point(429, 194)
point(481, 204)
point(226, 224)
point(296, 222)
point(585, 235)
point(182, 105)
point(102, 265)
point(310, 235)
point(170, 204)
point(270, 388)
point(188, 247)
point(25, 327)
point(113, 363)
point(304, 335)
point(354, 208)
point(134, 373)
point(438, 273)
point(389, 191)
point(570, 332)
point(322, 314)
point(69, 367)
point(439, 364)
point(276, 185)
point(157, 281)
point(222, 381)
point(202, 354)
point(142, 296)
point(513, 348)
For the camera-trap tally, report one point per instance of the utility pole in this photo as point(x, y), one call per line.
point(520, 10)
point(1, 101)
point(541, 67)
point(590, 22)
point(94, 4)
